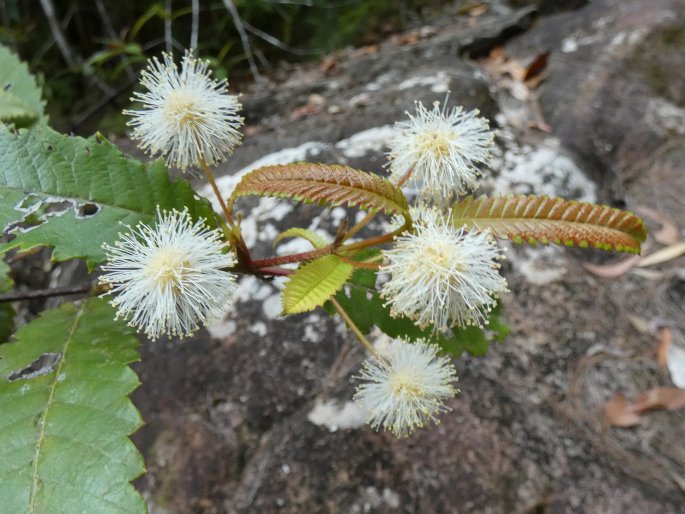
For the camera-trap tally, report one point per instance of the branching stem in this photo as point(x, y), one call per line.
point(18, 296)
point(353, 327)
point(217, 193)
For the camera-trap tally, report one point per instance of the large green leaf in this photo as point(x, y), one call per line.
point(6, 310)
point(73, 194)
point(366, 308)
point(20, 96)
point(66, 416)
point(314, 283)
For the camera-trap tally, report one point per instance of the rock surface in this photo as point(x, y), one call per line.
point(255, 414)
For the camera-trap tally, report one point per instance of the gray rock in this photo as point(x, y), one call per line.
point(254, 415)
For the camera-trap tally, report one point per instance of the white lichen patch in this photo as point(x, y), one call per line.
point(541, 265)
point(439, 82)
point(543, 169)
point(259, 328)
point(222, 329)
point(272, 306)
point(367, 141)
point(335, 416)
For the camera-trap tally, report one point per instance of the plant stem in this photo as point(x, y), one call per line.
point(371, 215)
point(295, 257)
point(45, 293)
point(353, 327)
point(275, 271)
point(212, 182)
point(358, 226)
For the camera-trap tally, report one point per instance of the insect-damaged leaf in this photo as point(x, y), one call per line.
point(66, 416)
point(96, 187)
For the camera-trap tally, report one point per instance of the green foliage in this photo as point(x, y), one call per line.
point(66, 416)
point(73, 194)
point(314, 283)
point(366, 308)
point(6, 310)
point(323, 183)
point(315, 239)
point(540, 219)
point(20, 97)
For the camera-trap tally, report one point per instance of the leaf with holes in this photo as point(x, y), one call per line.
point(20, 96)
point(66, 416)
point(315, 239)
point(73, 194)
point(323, 184)
point(314, 283)
point(540, 219)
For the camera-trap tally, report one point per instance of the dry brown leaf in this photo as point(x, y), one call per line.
point(315, 104)
point(665, 254)
point(478, 10)
point(619, 413)
point(665, 339)
point(638, 323)
point(668, 233)
point(536, 68)
point(669, 398)
point(613, 270)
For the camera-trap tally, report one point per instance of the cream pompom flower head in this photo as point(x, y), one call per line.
point(170, 278)
point(406, 386)
point(441, 275)
point(442, 147)
point(186, 116)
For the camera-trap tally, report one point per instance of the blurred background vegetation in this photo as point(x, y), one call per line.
point(88, 53)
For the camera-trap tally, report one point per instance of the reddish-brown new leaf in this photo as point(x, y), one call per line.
point(541, 219)
point(323, 183)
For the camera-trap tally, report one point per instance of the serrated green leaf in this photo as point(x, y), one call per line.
point(367, 309)
point(324, 184)
point(314, 283)
point(14, 110)
point(315, 239)
point(540, 219)
point(66, 416)
point(71, 174)
point(20, 96)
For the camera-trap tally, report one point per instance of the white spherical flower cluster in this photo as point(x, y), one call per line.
point(170, 278)
point(186, 115)
point(440, 275)
point(406, 386)
point(442, 147)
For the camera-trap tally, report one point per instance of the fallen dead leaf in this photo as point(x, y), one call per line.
point(619, 413)
point(675, 361)
point(665, 339)
point(668, 233)
point(536, 71)
point(639, 324)
point(669, 398)
point(315, 104)
point(664, 255)
point(613, 270)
